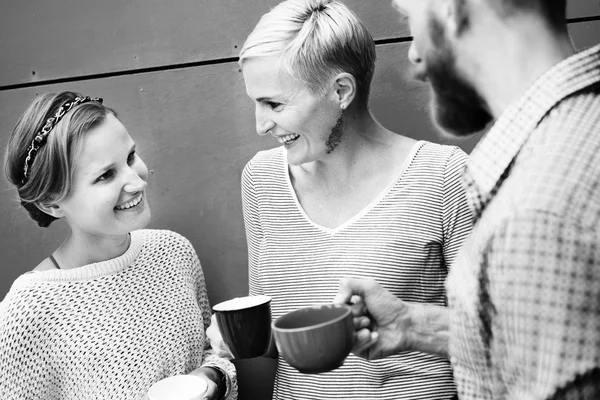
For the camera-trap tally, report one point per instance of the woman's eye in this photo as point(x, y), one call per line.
point(106, 176)
point(131, 158)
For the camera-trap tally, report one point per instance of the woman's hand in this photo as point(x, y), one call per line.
point(216, 340)
point(212, 377)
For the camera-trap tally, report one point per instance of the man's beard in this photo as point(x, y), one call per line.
point(335, 137)
point(456, 105)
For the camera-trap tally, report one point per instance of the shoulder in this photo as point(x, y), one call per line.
point(266, 169)
point(438, 159)
point(269, 159)
point(441, 151)
point(164, 240)
point(558, 169)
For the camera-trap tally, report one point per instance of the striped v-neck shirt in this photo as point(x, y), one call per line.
point(406, 239)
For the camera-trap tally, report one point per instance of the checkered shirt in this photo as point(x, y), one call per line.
point(524, 293)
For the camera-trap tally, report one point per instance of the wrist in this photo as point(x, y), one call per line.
point(428, 329)
point(218, 377)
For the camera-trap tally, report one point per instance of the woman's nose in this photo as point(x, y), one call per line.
point(136, 180)
point(263, 123)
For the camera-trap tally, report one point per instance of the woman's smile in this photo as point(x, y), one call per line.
point(288, 140)
point(131, 204)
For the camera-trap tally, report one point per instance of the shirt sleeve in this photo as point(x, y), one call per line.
point(252, 224)
point(544, 281)
point(457, 220)
point(209, 358)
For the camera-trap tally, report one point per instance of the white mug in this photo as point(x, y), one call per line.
point(178, 387)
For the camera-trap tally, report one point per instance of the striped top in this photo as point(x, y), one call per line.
point(406, 238)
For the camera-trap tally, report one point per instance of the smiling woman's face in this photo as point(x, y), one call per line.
point(300, 120)
point(109, 180)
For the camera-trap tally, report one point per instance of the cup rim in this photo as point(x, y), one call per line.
point(157, 386)
point(339, 318)
point(265, 300)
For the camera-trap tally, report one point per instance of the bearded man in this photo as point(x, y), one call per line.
point(523, 316)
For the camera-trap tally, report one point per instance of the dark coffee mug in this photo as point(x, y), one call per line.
point(315, 339)
point(245, 324)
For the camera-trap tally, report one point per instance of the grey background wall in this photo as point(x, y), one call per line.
point(169, 68)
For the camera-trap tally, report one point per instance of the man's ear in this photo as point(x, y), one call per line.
point(345, 89)
point(51, 209)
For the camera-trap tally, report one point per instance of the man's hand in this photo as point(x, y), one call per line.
point(385, 325)
point(381, 320)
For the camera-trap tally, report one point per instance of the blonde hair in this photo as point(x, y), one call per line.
point(50, 175)
point(314, 40)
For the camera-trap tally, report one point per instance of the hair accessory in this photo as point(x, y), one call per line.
point(40, 139)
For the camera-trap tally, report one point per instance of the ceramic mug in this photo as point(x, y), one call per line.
point(315, 339)
point(245, 325)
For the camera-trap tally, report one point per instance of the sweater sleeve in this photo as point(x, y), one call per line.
point(457, 221)
point(254, 233)
point(29, 367)
point(209, 358)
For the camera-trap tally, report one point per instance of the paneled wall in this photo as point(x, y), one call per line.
point(169, 68)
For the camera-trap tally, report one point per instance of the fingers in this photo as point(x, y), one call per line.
point(213, 334)
point(344, 293)
point(361, 322)
point(350, 287)
point(363, 340)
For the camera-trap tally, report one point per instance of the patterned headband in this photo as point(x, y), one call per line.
point(40, 138)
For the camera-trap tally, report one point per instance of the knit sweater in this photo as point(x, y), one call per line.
point(108, 330)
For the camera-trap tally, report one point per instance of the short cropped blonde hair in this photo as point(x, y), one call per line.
point(314, 40)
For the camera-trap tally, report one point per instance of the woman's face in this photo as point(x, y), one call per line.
point(300, 120)
point(109, 180)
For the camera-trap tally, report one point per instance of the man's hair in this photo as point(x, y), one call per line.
point(555, 11)
point(314, 40)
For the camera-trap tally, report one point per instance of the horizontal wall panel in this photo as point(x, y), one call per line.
point(42, 41)
point(583, 8)
point(195, 130)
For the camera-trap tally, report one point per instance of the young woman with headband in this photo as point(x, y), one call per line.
point(116, 307)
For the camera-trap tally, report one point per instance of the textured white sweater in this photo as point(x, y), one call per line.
point(108, 330)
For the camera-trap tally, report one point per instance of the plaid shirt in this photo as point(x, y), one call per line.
point(524, 293)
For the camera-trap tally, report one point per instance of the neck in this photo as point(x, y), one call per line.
point(362, 137)
point(510, 56)
point(79, 250)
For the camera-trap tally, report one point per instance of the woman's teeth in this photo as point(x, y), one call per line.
point(131, 203)
point(287, 139)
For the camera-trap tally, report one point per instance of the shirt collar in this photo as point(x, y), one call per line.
point(490, 160)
